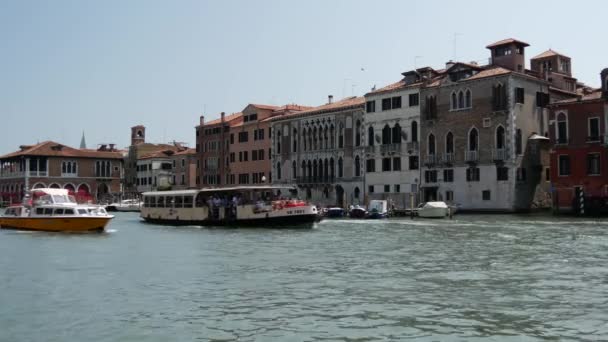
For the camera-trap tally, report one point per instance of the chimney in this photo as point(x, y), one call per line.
point(202, 120)
point(330, 99)
point(223, 116)
point(112, 147)
point(604, 75)
point(449, 64)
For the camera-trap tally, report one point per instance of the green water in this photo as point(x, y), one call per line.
point(501, 278)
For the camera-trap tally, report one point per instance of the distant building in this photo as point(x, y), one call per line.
point(91, 175)
point(320, 150)
point(139, 148)
point(483, 141)
point(391, 138)
point(212, 148)
point(579, 162)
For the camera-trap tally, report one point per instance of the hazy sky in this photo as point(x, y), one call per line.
point(104, 66)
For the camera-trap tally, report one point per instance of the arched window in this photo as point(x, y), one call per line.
point(314, 138)
point(518, 142)
point(326, 169)
point(340, 168)
point(386, 135)
point(303, 175)
point(314, 170)
point(332, 137)
point(279, 143)
point(562, 128)
point(467, 99)
point(332, 169)
point(304, 139)
point(460, 100)
point(294, 170)
point(357, 166)
point(320, 166)
point(309, 170)
point(449, 143)
point(431, 145)
point(357, 192)
point(341, 136)
point(325, 138)
point(370, 136)
point(295, 140)
point(473, 139)
point(454, 101)
point(414, 131)
point(310, 139)
point(500, 138)
point(396, 134)
point(358, 133)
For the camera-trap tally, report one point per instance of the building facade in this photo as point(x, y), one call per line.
point(89, 175)
point(390, 136)
point(212, 148)
point(483, 138)
point(320, 150)
point(579, 158)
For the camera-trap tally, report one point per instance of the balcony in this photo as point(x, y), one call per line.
point(471, 156)
point(315, 180)
point(390, 148)
point(370, 149)
point(448, 158)
point(430, 160)
point(413, 147)
point(499, 154)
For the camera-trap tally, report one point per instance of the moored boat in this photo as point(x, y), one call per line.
point(236, 206)
point(334, 212)
point(357, 212)
point(377, 209)
point(131, 205)
point(53, 210)
point(433, 210)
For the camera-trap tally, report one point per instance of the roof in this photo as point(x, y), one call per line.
point(593, 96)
point(343, 104)
point(549, 53)
point(54, 149)
point(507, 41)
point(185, 152)
point(263, 106)
point(164, 153)
point(399, 85)
point(227, 118)
point(497, 71)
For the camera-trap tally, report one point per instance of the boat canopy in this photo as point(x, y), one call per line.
point(52, 192)
point(218, 190)
point(435, 205)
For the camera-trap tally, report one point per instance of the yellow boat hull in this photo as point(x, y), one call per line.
point(56, 224)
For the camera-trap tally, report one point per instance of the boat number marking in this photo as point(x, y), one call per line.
point(292, 212)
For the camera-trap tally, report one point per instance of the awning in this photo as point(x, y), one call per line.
point(538, 137)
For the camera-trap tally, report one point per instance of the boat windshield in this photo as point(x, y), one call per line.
point(63, 199)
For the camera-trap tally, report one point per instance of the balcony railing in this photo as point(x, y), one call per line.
point(499, 154)
point(471, 156)
point(431, 159)
point(370, 149)
point(390, 148)
point(38, 173)
point(448, 158)
point(413, 146)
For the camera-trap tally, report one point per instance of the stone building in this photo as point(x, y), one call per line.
point(167, 170)
point(212, 148)
point(390, 135)
point(90, 175)
point(483, 137)
point(320, 150)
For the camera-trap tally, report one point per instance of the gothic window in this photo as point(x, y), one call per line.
point(370, 136)
point(396, 134)
point(473, 140)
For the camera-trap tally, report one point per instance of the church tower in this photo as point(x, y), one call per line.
point(138, 135)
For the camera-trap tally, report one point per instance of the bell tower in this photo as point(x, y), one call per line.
point(138, 135)
point(604, 75)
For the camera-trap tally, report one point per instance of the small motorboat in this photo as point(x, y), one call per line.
point(334, 212)
point(133, 205)
point(377, 209)
point(433, 210)
point(53, 210)
point(357, 212)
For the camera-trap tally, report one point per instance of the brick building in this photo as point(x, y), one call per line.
point(579, 159)
point(212, 148)
point(90, 175)
point(483, 140)
point(321, 151)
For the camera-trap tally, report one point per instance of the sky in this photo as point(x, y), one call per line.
point(100, 67)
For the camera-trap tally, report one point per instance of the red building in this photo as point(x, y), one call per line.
point(579, 159)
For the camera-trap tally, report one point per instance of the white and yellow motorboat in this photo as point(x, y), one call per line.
point(53, 210)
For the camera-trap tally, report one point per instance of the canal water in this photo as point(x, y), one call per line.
point(500, 278)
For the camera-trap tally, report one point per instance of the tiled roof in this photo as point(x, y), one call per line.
point(507, 41)
point(227, 118)
point(168, 152)
point(263, 106)
point(394, 86)
point(53, 149)
point(549, 53)
point(344, 104)
point(593, 96)
point(187, 151)
point(498, 71)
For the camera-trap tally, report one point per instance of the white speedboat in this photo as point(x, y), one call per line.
point(433, 210)
point(133, 205)
point(377, 209)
